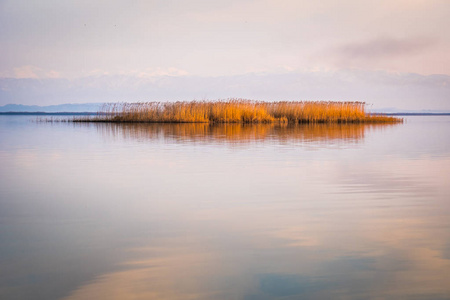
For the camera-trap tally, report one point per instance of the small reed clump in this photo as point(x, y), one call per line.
point(238, 111)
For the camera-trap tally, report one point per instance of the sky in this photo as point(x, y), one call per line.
point(389, 53)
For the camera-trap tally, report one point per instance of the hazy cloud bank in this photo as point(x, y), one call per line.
point(382, 89)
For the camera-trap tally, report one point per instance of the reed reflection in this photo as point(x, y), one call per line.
point(239, 134)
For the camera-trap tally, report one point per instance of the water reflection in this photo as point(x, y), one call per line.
point(109, 211)
point(331, 226)
point(261, 257)
point(240, 134)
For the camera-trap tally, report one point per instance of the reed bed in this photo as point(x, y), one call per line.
point(237, 111)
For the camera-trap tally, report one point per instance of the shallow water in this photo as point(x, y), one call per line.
point(192, 211)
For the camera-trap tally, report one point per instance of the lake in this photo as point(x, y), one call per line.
point(195, 211)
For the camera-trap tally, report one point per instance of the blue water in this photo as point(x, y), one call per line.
point(110, 211)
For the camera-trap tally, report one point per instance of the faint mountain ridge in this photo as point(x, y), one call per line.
point(67, 107)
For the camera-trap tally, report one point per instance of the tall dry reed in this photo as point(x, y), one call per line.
point(238, 111)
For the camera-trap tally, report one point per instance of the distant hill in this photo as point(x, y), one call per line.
point(83, 107)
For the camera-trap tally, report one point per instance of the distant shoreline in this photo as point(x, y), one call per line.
point(94, 113)
point(414, 114)
point(38, 113)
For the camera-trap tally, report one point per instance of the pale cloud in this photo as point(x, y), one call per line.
point(29, 71)
point(171, 71)
point(53, 74)
point(425, 53)
point(34, 72)
point(385, 48)
point(141, 73)
point(26, 72)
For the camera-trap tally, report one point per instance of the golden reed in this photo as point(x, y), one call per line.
point(238, 111)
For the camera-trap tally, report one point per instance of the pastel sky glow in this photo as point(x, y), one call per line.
point(54, 40)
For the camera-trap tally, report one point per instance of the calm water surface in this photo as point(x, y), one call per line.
point(101, 211)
